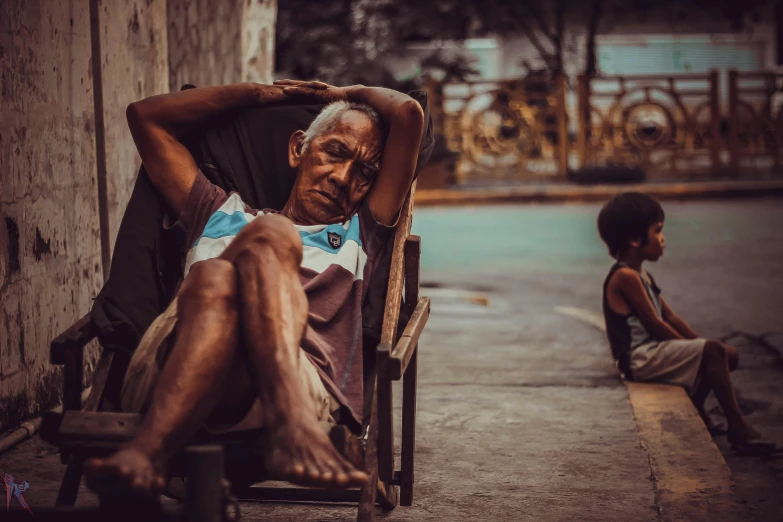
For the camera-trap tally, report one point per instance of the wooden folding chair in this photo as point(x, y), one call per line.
point(83, 430)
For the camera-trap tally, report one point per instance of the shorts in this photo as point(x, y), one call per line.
point(149, 358)
point(676, 361)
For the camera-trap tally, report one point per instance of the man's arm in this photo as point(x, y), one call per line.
point(631, 289)
point(157, 122)
point(676, 321)
point(405, 120)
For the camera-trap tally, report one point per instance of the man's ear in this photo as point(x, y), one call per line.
point(295, 146)
point(636, 243)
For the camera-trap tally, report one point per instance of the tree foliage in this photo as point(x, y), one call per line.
point(347, 41)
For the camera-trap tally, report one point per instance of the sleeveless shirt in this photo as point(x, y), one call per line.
point(627, 332)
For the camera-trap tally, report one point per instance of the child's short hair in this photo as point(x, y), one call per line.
point(627, 217)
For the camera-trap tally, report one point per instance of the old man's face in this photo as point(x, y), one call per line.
point(337, 169)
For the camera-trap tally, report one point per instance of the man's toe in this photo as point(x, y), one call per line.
point(357, 477)
point(313, 473)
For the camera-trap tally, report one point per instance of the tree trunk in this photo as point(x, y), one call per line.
point(590, 63)
point(592, 29)
point(559, 36)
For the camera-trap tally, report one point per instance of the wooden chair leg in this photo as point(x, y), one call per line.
point(408, 431)
point(409, 379)
point(369, 491)
point(387, 495)
point(205, 487)
point(69, 488)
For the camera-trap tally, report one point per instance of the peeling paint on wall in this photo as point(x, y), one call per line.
point(258, 41)
point(47, 194)
point(134, 66)
point(203, 40)
point(218, 43)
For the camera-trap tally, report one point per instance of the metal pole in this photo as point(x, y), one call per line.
point(204, 497)
point(100, 137)
point(734, 144)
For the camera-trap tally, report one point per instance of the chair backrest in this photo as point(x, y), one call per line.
point(243, 151)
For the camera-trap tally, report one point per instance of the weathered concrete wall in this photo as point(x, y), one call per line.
point(217, 43)
point(203, 41)
point(49, 234)
point(134, 65)
point(50, 246)
point(258, 41)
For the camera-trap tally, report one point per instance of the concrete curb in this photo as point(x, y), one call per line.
point(692, 480)
point(587, 193)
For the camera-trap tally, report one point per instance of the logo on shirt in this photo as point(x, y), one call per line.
point(335, 240)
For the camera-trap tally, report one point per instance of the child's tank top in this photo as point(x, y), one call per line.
point(626, 332)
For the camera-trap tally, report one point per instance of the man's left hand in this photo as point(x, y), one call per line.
point(317, 91)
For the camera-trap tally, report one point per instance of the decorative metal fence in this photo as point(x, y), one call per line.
point(755, 137)
point(668, 125)
point(504, 129)
point(672, 126)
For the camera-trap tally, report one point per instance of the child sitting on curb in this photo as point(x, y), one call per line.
point(649, 341)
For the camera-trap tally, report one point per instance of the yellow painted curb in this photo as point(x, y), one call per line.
point(692, 480)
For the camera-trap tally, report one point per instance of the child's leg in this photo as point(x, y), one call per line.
point(705, 387)
point(715, 370)
point(733, 355)
point(700, 396)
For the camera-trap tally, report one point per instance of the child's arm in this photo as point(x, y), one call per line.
point(676, 321)
point(631, 289)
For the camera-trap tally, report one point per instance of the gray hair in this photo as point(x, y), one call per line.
point(330, 115)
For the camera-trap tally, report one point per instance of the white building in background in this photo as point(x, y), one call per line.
point(636, 46)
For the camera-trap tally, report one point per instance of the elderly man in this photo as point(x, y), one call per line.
point(263, 331)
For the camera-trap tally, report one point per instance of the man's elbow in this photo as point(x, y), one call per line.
point(410, 113)
point(134, 114)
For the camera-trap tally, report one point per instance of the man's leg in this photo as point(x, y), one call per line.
point(266, 255)
point(273, 315)
point(199, 362)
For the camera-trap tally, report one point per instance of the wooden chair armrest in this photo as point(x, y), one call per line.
point(77, 336)
point(406, 345)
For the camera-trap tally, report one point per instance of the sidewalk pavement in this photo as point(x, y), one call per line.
point(516, 421)
point(558, 193)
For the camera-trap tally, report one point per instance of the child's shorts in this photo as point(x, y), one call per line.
point(676, 361)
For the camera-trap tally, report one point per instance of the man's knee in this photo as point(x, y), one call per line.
point(270, 234)
point(212, 280)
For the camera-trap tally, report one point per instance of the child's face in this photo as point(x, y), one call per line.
point(653, 250)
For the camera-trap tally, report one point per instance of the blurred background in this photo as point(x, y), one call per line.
point(544, 91)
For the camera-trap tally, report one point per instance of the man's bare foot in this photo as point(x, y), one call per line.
point(127, 473)
point(303, 454)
